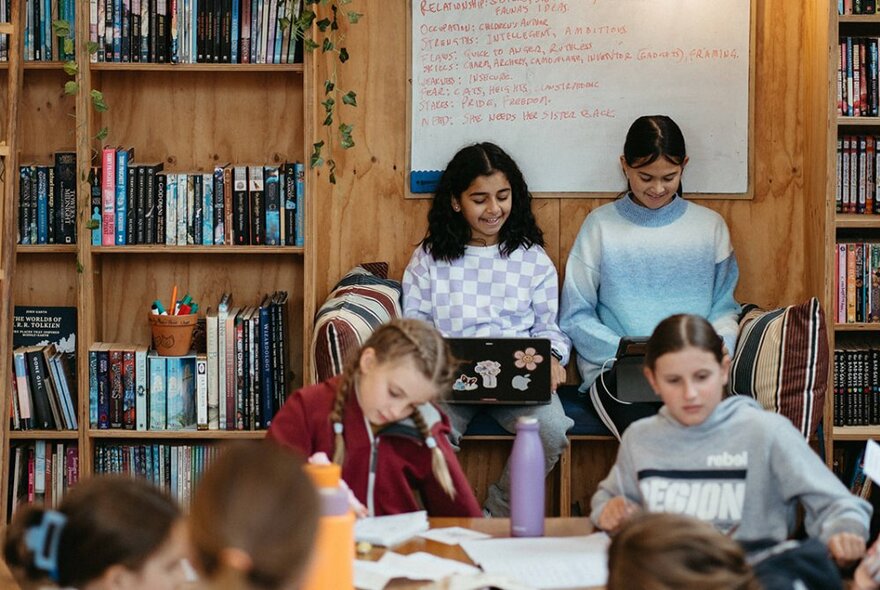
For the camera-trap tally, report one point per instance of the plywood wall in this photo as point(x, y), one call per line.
point(777, 235)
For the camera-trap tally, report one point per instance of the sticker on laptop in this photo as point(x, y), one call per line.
point(465, 383)
point(527, 359)
point(521, 382)
point(489, 371)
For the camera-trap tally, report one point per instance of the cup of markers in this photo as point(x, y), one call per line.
point(172, 328)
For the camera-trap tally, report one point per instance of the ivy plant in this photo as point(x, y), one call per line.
point(327, 37)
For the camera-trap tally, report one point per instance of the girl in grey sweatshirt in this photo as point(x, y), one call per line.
point(724, 461)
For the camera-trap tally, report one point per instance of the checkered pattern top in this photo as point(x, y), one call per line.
point(485, 294)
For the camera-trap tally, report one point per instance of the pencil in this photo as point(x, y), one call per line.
point(173, 299)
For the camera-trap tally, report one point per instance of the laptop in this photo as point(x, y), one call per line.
point(501, 371)
point(632, 385)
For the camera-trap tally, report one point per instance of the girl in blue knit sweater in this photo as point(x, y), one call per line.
point(643, 257)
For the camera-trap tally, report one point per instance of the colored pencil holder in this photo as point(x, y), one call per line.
point(172, 334)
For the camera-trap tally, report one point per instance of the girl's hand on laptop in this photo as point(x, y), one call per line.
point(846, 548)
point(557, 374)
point(617, 511)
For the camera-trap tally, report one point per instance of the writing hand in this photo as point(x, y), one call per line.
point(617, 511)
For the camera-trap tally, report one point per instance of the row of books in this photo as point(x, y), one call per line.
point(845, 7)
point(47, 201)
point(174, 468)
point(135, 203)
point(857, 272)
point(858, 161)
point(857, 85)
point(237, 383)
point(849, 466)
point(41, 472)
point(43, 389)
point(195, 31)
point(856, 386)
point(40, 40)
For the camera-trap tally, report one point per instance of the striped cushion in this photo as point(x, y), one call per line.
point(360, 302)
point(781, 360)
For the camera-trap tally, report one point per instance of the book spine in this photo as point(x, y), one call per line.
point(183, 197)
point(300, 173)
point(141, 401)
point(171, 209)
point(219, 215)
point(93, 388)
point(159, 182)
point(267, 387)
point(121, 195)
point(65, 175)
point(273, 205)
point(201, 392)
point(117, 388)
point(289, 204)
point(23, 389)
point(256, 196)
point(207, 209)
point(241, 205)
point(158, 397)
point(103, 388)
point(212, 362)
point(24, 185)
point(42, 205)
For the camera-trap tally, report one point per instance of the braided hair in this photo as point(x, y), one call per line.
point(425, 347)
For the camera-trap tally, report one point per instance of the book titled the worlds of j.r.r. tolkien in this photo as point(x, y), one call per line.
point(37, 325)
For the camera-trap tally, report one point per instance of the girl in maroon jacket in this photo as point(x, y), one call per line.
point(377, 421)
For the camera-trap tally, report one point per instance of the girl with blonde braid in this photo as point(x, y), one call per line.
point(378, 422)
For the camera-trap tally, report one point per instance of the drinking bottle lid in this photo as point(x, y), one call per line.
point(324, 475)
point(527, 420)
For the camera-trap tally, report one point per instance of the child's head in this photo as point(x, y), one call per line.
point(658, 551)
point(482, 199)
point(687, 367)
point(110, 532)
point(254, 518)
point(654, 157)
point(404, 364)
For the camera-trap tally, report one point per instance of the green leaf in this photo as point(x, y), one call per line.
point(328, 86)
point(350, 98)
point(310, 45)
point(68, 46)
point(102, 134)
point(328, 104)
point(315, 159)
point(70, 68)
point(306, 19)
point(323, 24)
point(329, 120)
point(331, 164)
point(92, 224)
point(345, 2)
point(353, 17)
point(343, 55)
point(79, 267)
point(98, 101)
point(61, 28)
point(71, 87)
point(327, 45)
point(284, 23)
point(92, 47)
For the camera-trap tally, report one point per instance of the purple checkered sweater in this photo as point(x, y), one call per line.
point(485, 294)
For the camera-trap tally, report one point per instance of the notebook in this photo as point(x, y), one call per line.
point(501, 371)
point(632, 385)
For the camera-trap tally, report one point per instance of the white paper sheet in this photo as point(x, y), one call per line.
point(872, 461)
point(389, 531)
point(546, 563)
point(375, 575)
point(453, 535)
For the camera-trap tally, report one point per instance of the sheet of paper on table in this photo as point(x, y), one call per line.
point(453, 535)
point(392, 530)
point(375, 575)
point(546, 563)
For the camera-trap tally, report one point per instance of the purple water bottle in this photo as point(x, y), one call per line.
point(527, 481)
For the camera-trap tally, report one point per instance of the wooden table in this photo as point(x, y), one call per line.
point(497, 527)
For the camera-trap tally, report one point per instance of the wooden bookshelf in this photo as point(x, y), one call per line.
point(191, 117)
point(846, 226)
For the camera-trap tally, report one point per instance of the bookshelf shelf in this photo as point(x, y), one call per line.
point(197, 67)
point(858, 121)
point(857, 433)
point(46, 249)
point(6, 28)
point(186, 250)
point(843, 221)
point(177, 434)
point(859, 327)
point(859, 18)
point(43, 434)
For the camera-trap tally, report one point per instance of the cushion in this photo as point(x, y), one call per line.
point(360, 302)
point(781, 360)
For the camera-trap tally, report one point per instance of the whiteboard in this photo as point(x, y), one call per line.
point(557, 84)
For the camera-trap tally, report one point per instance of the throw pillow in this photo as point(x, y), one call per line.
point(360, 302)
point(781, 360)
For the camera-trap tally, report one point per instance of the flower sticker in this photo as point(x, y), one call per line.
point(528, 359)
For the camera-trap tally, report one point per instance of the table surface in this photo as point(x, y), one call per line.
point(497, 527)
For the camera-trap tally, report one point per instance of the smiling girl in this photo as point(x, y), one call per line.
point(724, 461)
point(482, 271)
point(645, 256)
point(377, 421)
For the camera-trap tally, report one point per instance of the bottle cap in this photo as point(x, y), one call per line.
point(324, 475)
point(527, 420)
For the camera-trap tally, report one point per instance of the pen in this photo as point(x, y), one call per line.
point(173, 306)
point(153, 310)
point(157, 305)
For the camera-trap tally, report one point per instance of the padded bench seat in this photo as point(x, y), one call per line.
point(577, 407)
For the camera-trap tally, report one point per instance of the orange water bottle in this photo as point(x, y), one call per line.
point(333, 560)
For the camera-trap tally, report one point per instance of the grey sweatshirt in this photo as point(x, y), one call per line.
point(742, 470)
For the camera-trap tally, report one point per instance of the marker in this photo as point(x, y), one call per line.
point(157, 305)
point(153, 310)
point(183, 310)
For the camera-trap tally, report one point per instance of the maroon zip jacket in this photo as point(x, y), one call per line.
point(402, 461)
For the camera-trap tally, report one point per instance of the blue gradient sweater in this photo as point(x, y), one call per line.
point(631, 267)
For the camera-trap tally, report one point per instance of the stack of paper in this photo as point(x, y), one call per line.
point(389, 531)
